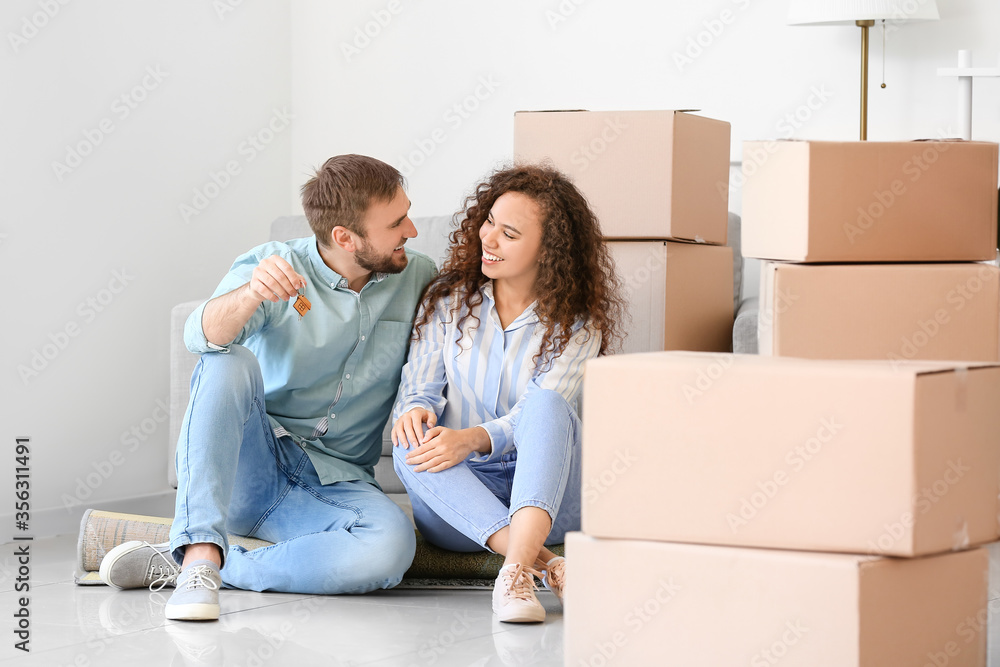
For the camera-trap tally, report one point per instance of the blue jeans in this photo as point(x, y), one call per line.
point(234, 476)
point(461, 507)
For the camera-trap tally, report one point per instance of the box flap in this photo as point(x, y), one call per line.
point(887, 367)
point(608, 111)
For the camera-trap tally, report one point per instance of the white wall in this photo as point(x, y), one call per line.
point(388, 98)
point(65, 236)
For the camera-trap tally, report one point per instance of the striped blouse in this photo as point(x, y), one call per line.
point(482, 377)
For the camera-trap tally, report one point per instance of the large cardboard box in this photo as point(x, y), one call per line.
point(872, 457)
point(867, 201)
point(680, 295)
point(647, 174)
point(659, 603)
point(880, 311)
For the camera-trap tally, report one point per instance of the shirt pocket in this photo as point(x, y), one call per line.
point(386, 351)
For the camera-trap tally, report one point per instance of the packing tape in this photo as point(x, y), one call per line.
point(960, 540)
point(961, 387)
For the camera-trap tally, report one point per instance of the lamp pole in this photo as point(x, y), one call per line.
point(864, 25)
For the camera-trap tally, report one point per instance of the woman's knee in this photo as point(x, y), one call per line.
point(546, 402)
point(399, 464)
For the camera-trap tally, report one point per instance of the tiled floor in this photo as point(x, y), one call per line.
point(87, 626)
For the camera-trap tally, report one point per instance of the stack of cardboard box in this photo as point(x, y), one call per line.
point(764, 510)
point(849, 231)
point(744, 510)
point(658, 182)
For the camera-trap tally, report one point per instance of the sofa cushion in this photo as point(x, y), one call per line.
point(745, 327)
point(734, 243)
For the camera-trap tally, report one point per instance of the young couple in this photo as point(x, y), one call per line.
point(284, 425)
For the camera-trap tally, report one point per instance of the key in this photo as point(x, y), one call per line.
point(301, 305)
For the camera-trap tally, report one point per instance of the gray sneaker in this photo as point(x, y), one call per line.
point(139, 565)
point(197, 594)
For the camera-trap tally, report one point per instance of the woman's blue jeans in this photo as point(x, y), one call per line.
point(461, 507)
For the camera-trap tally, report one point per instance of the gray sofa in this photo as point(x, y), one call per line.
point(432, 240)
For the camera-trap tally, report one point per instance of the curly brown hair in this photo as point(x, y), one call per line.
point(576, 276)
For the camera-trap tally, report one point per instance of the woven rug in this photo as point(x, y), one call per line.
point(432, 566)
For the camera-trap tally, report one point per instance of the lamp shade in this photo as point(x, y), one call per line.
point(833, 12)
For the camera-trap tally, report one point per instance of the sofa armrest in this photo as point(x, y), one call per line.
point(745, 327)
point(182, 365)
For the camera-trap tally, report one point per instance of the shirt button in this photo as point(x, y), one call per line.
point(348, 376)
point(333, 416)
point(362, 338)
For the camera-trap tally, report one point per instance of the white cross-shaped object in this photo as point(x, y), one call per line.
point(965, 73)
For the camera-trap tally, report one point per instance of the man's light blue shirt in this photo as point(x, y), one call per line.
point(330, 377)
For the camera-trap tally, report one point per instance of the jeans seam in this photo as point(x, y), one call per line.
point(560, 490)
point(272, 443)
point(297, 480)
point(186, 539)
point(489, 531)
point(533, 503)
point(187, 446)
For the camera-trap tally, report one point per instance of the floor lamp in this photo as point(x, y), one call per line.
point(864, 14)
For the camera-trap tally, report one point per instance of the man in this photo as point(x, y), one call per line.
point(285, 420)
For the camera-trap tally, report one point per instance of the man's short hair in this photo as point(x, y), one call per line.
point(343, 189)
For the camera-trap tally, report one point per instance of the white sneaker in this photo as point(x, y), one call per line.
point(196, 597)
point(554, 576)
point(514, 598)
point(138, 564)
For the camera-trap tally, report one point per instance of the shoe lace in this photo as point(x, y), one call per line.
point(200, 576)
point(556, 575)
point(161, 572)
point(164, 576)
point(520, 582)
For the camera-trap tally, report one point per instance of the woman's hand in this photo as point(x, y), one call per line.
point(409, 428)
point(444, 447)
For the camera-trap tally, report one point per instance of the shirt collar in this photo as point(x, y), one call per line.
point(331, 277)
point(529, 315)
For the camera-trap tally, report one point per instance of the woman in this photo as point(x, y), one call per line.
point(526, 296)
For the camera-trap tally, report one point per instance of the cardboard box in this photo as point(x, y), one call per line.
point(647, 174)
point(871, 457)
point(680, 295)
point(880, 311)
point(658, 603)
point(867, 201)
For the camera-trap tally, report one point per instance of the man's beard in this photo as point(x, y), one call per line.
point(368, 259)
